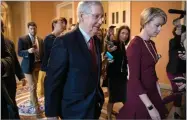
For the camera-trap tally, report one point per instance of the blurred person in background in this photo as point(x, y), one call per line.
point(117, 70)
point(30, 48)
point(9, 78)
point(58, 26)
point(176, 67)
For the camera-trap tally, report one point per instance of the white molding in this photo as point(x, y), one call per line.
point(64, 4)
point(73, 11)
point(27, 14)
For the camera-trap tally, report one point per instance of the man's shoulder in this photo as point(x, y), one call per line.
point(24, 37)
point(9, 41)
point(68, 37)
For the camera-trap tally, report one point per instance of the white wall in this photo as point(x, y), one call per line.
point(119, 7)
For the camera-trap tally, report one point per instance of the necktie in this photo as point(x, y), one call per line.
point(93, 53)
point(35, 45)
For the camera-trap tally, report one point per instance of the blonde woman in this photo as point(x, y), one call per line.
point(143, 94)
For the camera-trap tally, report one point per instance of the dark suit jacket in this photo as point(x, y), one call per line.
point(6, 58)
point(24, 43)
point(15, 69)
point(48, 43)
point(175, 64)
point(72, 88)
point(6, 63)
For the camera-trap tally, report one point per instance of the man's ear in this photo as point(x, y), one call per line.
point(81, 17)
point(54, 25)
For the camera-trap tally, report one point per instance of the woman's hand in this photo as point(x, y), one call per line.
point(158, 87)
point(154, 114)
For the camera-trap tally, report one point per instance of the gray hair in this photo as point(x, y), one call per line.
point(149, 14)
point(85, 7)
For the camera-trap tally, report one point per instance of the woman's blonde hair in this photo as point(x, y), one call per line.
point(149, 14)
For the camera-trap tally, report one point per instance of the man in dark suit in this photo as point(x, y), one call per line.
point(72, 85)
point(30, 47)
point(6, 63)
point(8, 78)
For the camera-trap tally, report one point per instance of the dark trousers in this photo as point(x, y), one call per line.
point(5, 111)
point(97, 112)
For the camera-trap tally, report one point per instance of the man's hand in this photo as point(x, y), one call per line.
point(111, 49)
point(24, 81)
point(182, 57)
point(176, 22)
point(31, 50)
point(181, 86)
point(110, 61)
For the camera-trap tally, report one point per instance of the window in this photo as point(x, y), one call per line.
point(124, 16)
point(117, 17)
point(113, 18)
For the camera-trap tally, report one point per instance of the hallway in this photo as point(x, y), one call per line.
point(26, 111)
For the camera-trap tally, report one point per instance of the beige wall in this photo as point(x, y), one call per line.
point(75, 11)
point(119, 7)
point(22, 12)
point(162, 40)
point(105, 7)
point(17, 16)
point(42, 13)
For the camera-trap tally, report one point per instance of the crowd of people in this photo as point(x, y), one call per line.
point(66, 68)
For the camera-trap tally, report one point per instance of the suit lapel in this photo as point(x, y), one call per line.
point(97, 49)
point(83, 45)
point(29, 41)
point(98, 57)
point(40, 46)
point(84, 49)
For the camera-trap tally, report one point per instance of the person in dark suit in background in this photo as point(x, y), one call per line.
point(15, 69)
point(58, 26)
point(176, 67)
point(30, 48)
point(72, 85)
point(6, 63)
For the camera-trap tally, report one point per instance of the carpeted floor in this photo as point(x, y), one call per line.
point(27, 112)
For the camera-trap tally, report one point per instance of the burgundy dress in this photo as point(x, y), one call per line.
point(142, 80)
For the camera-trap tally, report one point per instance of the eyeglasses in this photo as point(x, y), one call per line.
point(97, 16)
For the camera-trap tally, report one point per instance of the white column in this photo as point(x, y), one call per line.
point(27, 14)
